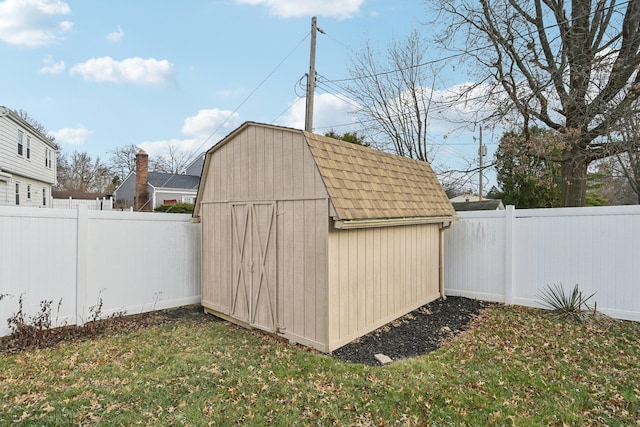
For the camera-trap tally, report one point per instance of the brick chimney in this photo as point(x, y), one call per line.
point(141, 199)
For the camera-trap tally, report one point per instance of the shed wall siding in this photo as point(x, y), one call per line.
point(303, 227)
point(216, 256)
point(377, 275)
point(262, 164)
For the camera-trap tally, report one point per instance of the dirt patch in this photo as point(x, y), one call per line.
point(419, 332)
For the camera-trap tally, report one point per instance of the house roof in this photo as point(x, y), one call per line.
point(478, 205)
point(368, 184)
point(4, 111)
point(171, 180)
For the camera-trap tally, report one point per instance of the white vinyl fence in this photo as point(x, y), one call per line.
point(134, 262)
point(98, 204)
point(138, 262)
point(511, 255)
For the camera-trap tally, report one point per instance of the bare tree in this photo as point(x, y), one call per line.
point(35, 124)
point(172, 160)
point(394, 92)
point(123, 160)
point(613, 184)
point(572, 67)
point(79, 172)
point(629, 163)
point(627, 156)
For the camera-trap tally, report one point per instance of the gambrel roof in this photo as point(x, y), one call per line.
point(366, 187)
point(370, 184)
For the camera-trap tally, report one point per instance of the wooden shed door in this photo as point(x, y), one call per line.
point(253, 290)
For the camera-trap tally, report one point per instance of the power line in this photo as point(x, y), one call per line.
point(466, 52)
point(196, 151)
point(298, 99)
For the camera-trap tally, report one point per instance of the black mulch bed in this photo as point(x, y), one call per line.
point(419, 332)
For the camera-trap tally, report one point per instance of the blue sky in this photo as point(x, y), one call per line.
point(103, 74)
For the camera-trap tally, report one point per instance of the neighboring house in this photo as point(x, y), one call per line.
point(467, 197)
point(195, 167)
point(27, 163)
point(145, 190)
point(73, 199)
point(479, 205)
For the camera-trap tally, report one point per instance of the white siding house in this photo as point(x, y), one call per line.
point(163, 188)
point(27, 163)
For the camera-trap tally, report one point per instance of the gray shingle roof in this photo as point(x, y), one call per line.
point(477, 205)
point(170, 180)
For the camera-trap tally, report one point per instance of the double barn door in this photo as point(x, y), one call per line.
point(253, 263)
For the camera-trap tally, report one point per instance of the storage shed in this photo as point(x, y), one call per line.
point(314, 239)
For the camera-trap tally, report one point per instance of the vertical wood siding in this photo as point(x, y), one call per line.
point(216, 257)
point(265, 165)
point(302, 270)
point(596, 248)
point(377, 275)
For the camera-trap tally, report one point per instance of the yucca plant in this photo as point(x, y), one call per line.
point(565, 305)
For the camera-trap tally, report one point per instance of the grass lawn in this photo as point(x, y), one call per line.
point(515, 367)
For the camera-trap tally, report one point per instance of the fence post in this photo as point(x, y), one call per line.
point(508, 253)
point(82, 256)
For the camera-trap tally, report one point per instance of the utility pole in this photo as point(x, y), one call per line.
point(482, 151)
point(311, 78)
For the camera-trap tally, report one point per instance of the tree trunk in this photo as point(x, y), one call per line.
point(573, 191)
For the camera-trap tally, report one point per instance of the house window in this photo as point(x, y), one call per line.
point(20, 143)
point(44, 197)
point(28, 191)
point(46, 157)
point(17, 193)
point(28, 147)
point(50, 160)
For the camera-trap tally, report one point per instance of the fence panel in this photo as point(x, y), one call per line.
point(37, 261)
point(469, 269)
point(134, 262)
point(596, 248)
point(150, 261)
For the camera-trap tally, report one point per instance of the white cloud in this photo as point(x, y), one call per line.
point(141, 71)
point(206, 122)
point(51, 67)
point(329, 112)
point(33, 22)
point(72, 136)
point(116, 36)
point(341, 9)
point(204, 129)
